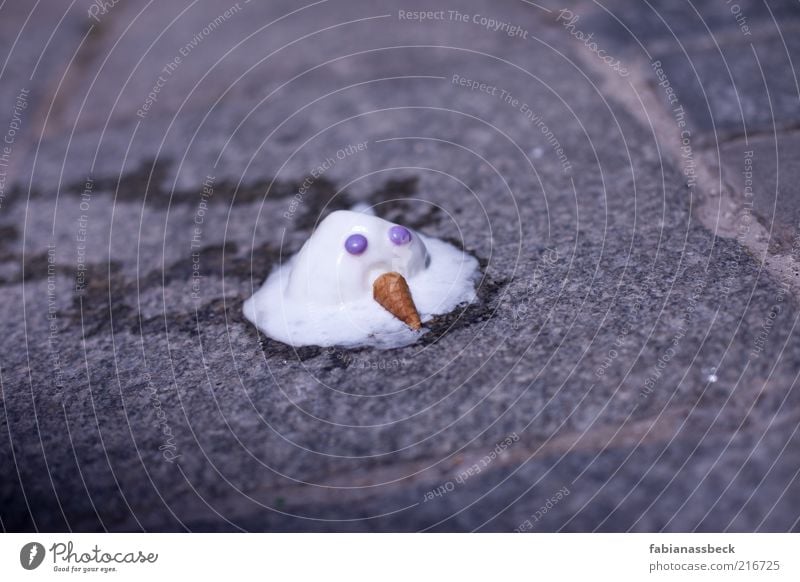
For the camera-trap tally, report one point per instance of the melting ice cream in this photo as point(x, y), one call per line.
point(361, 280)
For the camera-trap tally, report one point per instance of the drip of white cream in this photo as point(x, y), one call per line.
point(323, 294)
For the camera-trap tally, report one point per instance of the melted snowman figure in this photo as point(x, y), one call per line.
point(361, 280)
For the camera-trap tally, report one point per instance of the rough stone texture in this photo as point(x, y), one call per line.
point(736, 88)
point(661, 22)
point(765, 173)
point(732, 66)
point(633, 355)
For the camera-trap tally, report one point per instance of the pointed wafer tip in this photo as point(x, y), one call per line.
point(392, 292)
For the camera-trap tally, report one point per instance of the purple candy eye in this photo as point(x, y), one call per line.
point(355, 244)
point(399, 235)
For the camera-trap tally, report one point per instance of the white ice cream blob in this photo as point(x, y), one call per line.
point(323, 295)
point(349, 277)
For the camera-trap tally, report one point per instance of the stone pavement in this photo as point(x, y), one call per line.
point(625, 173)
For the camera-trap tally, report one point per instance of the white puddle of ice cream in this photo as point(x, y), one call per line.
point(323, 295)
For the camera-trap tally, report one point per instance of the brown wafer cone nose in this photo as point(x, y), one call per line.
point(392, 292)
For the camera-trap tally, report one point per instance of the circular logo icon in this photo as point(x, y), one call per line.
point(31, 555)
